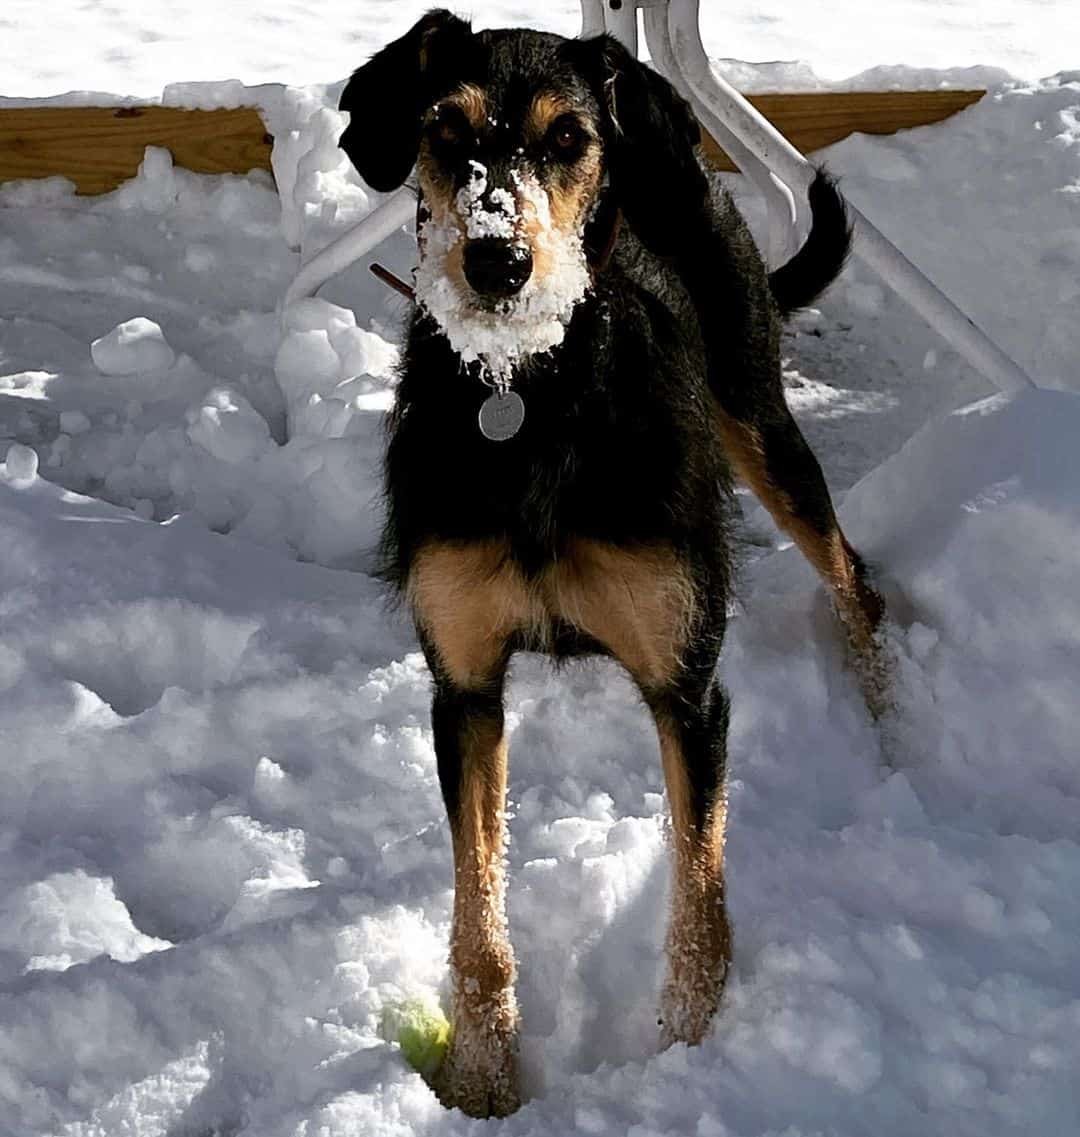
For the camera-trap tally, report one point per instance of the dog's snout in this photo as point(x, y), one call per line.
point(494, 267)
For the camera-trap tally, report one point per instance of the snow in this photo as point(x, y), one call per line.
point(133, 346)
point(532, 321)
point(132, 49)
point(222, 847)
point(70, 918)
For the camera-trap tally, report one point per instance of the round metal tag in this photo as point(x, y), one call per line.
point(501, 416)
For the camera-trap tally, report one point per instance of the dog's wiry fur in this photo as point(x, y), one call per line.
point(603, 525)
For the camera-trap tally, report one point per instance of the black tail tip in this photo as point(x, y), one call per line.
point(828, 203)
point(819, 262)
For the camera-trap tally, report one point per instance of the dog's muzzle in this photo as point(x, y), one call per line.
point(496, 268)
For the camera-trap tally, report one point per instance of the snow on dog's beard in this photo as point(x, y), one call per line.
point(532, 321)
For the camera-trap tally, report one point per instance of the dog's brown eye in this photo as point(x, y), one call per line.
point(565, 137)
point(448, 132)
point(451, 129)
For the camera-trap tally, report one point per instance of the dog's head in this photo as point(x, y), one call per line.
point(515, 135)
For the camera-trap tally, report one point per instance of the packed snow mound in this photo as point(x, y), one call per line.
point(973, 526)
point(70, 918)
point(274, 436)
point(133, 346)
point(21, 463)
point(986, 458)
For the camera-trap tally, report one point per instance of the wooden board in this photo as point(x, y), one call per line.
point(100, 147)
point(814, 120)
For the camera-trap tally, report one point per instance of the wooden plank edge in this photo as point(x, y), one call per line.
point(813, 120)
point(98, 148)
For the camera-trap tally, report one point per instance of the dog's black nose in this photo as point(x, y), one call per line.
point(494, 267)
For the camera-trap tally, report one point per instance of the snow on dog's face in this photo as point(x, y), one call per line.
point(507, 182)
point(511, 133)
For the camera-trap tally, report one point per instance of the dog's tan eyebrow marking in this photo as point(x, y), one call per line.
point(472, 101)
point(546, 107)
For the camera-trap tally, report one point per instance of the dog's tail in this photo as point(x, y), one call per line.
point(818, 263)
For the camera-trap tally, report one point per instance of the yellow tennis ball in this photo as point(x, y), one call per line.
point(422, 1032)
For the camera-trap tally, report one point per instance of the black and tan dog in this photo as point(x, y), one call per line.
point(574, 397)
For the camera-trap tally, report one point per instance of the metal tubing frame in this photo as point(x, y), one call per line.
point(397, 210)
point(778, 169)
point(710, 92)
point(782, 212)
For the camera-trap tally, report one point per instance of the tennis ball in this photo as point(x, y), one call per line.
point(421, 1030)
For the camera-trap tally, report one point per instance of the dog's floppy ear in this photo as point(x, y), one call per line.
point(649, 137)
point(386, 98)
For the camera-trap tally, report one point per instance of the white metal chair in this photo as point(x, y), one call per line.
point(778, 169)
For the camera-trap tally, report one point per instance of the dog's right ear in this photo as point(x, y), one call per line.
point(649, 133)
point(386, 98)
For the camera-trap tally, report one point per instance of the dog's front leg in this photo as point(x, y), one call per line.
point(479, 1073)
point(692, 725)
point(664, 621)
point(468, 599)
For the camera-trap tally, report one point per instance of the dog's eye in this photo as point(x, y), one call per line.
point(451, 130)
point(565, 138)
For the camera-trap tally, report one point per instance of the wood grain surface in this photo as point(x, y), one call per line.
point(100, 147)
point(814, 120)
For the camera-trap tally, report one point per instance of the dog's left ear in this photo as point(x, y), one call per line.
point(649, 137)
point(386, 98)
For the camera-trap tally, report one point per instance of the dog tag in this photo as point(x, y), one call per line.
point(501, 416)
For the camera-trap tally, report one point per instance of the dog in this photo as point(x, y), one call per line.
point(593, 354)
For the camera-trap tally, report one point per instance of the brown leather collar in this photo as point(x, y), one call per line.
point(601, 233)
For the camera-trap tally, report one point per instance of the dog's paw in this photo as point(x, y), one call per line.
point(689, 1001)
point(685, 1019)
point(864, 617)
point(874, 666)
point(479, 1074)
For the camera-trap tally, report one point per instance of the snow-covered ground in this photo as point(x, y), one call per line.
point(134, 47)
point(222, 848)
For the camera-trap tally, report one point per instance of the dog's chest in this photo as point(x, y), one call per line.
point(563, 434)
point(610, 445)
point(576, 468)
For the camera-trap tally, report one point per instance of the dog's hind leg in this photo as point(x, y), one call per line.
point(768, 452)
point(741, 332)
point(468, 601)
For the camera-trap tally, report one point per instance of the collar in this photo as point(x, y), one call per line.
point(601, 233)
